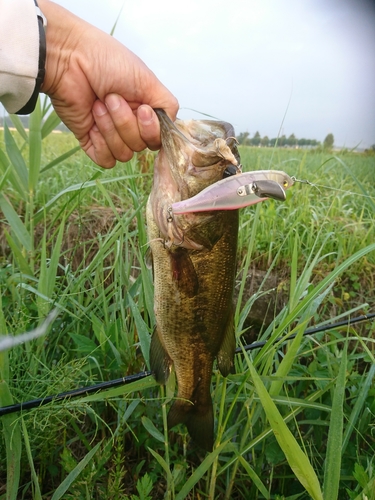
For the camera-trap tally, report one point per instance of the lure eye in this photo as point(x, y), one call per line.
point(285, 184)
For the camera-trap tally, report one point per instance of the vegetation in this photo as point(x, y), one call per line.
point(328, 142)
point(296, 420)
point(282, 141)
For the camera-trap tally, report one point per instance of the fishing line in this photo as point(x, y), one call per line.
point(85, 391)
point(343, 191)
point(305, 181)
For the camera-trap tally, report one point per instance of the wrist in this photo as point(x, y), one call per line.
point(60, 41)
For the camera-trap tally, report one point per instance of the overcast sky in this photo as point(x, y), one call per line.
point(244, 60)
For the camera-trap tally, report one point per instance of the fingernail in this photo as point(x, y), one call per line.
point(100, 109)
point(145, 114)
point(112, 102)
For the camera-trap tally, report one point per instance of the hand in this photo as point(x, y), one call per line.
point(101, 90)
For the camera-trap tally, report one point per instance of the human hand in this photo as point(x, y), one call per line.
point(101, 90)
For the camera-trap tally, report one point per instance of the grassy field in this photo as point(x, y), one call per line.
point(296, 421)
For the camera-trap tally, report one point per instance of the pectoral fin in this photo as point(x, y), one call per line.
point(160, 362)
point(184, 273)
point(225, 357)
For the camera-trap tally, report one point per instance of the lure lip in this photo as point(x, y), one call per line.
point(237, 191)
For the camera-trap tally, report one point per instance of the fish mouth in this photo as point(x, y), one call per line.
point(194, 155)
point(217, 151)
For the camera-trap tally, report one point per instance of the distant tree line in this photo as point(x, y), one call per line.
point(283, 141)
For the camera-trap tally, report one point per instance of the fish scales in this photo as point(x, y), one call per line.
point(194, 265)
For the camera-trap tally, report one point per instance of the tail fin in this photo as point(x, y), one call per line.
point(199, 420)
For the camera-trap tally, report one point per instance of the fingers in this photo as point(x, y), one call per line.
point(149, 127)
point(97, 149)
point(118, 125)
point(119, 131)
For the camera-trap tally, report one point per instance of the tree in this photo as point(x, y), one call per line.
point(243, 138)
point(265, 141)
point(282, 141)
point(292, 140)
point(255, 141)
point(329, 142)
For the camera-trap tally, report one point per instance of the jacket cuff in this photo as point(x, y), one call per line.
point(30, 105)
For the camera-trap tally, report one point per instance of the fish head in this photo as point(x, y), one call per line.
point(194, 155)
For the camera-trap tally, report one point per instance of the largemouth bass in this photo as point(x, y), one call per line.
point(194, 264)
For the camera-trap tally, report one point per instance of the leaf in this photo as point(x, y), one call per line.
point(296, 458)
point(13, 443)
point(60, 159)
point(334, 444)
point(35, 146)
point(142, 330)
point(77, 188)
point(16, 158)
point(85, 345)
point(200, 471)
point(19, 126)
point(163, 463)
point(18, 255)
point(37, 494)
point(72, 476)
point(287, 362)
point(18, 228)
point(10, 175)
point(359, 404)
point(254, 477)
point(50, 124)
point(150, 427)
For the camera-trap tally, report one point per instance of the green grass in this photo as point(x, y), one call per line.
point(294, 421)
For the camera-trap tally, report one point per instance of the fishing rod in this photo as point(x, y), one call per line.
point(85, 391)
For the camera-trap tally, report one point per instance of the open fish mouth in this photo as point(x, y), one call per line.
point(194, 155)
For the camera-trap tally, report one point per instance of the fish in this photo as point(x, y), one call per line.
point(194, 266)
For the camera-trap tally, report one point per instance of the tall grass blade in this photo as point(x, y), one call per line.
point(37, 494)
point(35, 146)
point(80, 187)
point(19, 230)
point(50, 124)
point(142, 330)
point(10, 175)
point(361, 399)
point(199, 472)
point(13, 443)
point(18, 255)
point(19, 127)
point(296, 458)
point(287, 362)
point(60, 159)
point(16, 158)
point(334, 444)
point(254, 477)
point(72, 476)
point(312, 296)
point(359, 184)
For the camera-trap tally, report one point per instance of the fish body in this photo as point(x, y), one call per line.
point(194, 265)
